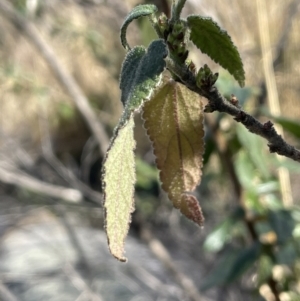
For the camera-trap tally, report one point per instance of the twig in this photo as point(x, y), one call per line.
point(71, 232)
point(30, 183)
point(66, 174)
point(61, 73)
point(80, 283)
point(6, 294)
point(164, 256)
point(217, 102)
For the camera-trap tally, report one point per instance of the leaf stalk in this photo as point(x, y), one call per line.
point(176, 10)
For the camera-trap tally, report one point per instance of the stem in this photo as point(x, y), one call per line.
point(217, 102)
point(176, 10)
point(154, 23)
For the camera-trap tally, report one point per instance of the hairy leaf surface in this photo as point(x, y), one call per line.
point(217, 44)
point(137, 12)
point(140, 74)
point(118, 185)
point(174, 122)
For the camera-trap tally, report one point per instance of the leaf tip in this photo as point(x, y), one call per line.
point(191, 209)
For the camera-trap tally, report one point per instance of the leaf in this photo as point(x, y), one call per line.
point(118, 186)
point(264, 269)
point(257, 155)
point(174, 122)
point(232, 265)
point(244, 261)
point(290, 125)
point(224, 232)
point(217, 44)
point(137, 12)
point(219, 274)
point(140, 74)
point(282, 223)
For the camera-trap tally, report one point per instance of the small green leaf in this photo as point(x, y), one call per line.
point(224, 232)
point(216, 240)
point(217, 44)
point(118, 187)
point(139, 11)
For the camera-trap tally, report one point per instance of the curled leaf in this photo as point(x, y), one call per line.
point(137, 12)
point(217, 44)
point(174, 122)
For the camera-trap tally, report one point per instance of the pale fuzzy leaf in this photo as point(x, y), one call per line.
point(137, 12)
point(174, 122)
point(118, 184)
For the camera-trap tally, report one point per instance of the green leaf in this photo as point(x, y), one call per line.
point(291, 126)
point(217, 44)
point(288, 253)
point(140, 74)
point(282, 223)
point(174, 122)
point(146, 174)
point(219, 274)
point(260, 158)
point(224, 232)
point(244, 261)
point(216, 240)
point(139, 11)
point(118, 187)
point(264, 269)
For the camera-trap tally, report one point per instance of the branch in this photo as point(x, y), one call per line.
point(176, 10)
point(65, 173)
point(217, 102)
point(62, 74)
point(30, 183)
point(6, 293)
point(164, 256)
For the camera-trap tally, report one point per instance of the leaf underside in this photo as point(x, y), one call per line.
point(140, 75)
point(217, 44)
point(137, 12)
point(118, 187)
point(174, 122)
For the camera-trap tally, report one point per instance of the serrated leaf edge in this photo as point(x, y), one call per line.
point(103, 173)
point(241, 82)
point(187, 194)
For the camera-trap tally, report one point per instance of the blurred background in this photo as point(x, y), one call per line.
point(59, 102)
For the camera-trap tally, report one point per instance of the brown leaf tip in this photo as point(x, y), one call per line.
point(191, 209)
